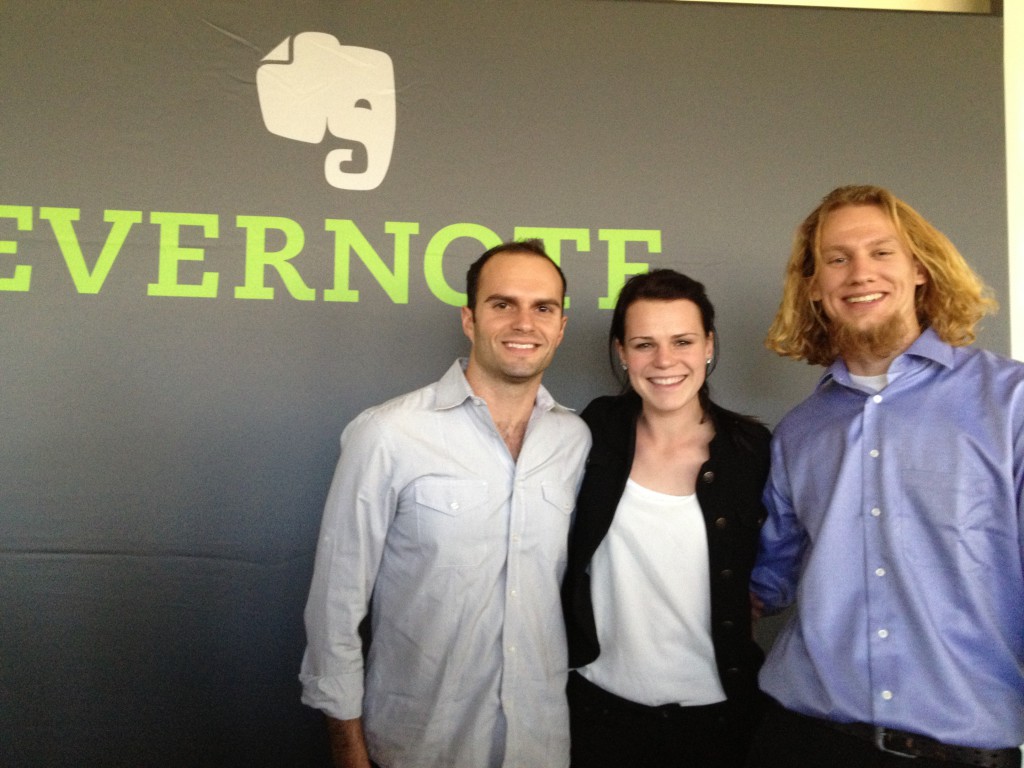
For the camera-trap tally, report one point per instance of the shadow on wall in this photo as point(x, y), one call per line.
point(165, 661)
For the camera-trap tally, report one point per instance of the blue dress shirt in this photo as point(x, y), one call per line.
point(896, 524)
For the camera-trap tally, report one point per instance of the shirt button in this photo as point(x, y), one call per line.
point(876, 512)
point(511, 649)
point(513, 593)
point(879, 571)
point(721, 523)
point(877, 398)
point(883, 633)
point(887, 695)
point(873, 453)
point(454, 505)
point(708, 476)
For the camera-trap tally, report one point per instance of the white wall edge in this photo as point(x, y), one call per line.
point(1013, 73)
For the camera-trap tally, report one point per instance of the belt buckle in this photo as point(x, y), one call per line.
point(880, 734)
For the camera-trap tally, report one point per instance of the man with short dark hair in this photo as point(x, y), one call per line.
point(895, 521)
point(447, 520)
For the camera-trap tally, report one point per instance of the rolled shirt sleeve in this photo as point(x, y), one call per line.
point(360, 506)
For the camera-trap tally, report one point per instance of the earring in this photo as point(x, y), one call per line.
point(708, 361)
point(625, 367)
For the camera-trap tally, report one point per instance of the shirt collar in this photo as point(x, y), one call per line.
point(453, 390)
point(928, 347)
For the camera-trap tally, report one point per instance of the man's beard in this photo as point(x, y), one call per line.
point(877, 342)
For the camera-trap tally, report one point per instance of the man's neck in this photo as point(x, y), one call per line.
point(870, 367)
point(509, 403)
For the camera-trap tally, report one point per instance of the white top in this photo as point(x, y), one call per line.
point(871, 383)
point(651, 592)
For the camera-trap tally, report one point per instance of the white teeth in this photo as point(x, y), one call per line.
point(863, 299)
point(519, 346)
point(671, 380)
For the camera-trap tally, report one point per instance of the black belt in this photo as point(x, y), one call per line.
point(583, 690)
point(909, 744)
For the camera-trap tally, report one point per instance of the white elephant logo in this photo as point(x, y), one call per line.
point(311, 85)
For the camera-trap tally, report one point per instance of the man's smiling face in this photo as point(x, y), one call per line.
point(865, 276)
point(517, 323)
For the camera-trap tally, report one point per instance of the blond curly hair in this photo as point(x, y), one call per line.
point(952, 300)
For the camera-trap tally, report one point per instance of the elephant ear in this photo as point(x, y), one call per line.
point(291, 81)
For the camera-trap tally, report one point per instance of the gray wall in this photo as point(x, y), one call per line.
point(164, 459)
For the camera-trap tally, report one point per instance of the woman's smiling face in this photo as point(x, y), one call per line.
point(665, 350)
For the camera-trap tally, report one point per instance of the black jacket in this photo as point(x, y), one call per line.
point(729, 489)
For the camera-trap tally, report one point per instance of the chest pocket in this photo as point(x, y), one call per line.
point(453, 522)
point(946, 521)
point(553, 517)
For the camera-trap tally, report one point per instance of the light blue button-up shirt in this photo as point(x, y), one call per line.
point(462, 549)
point(896, 524)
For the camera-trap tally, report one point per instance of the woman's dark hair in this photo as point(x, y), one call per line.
point(661, 285)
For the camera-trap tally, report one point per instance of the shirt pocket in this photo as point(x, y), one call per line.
point(944, 518)
point(452, 521)
point(558, 501)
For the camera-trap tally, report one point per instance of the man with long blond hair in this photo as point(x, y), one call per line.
point(896, 521)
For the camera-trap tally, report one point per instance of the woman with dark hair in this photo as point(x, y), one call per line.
point(667, 519)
